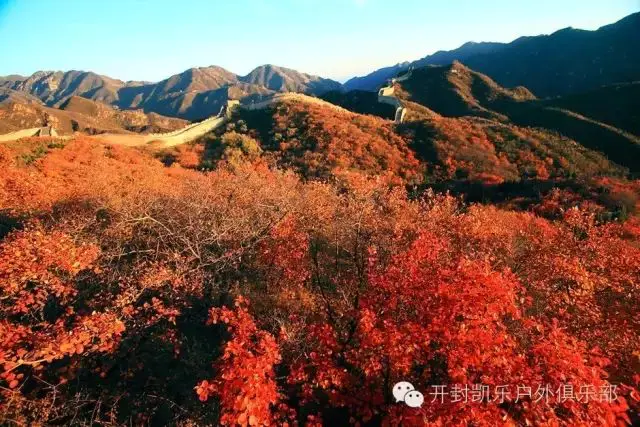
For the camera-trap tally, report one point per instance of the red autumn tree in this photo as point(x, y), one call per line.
point(38, 322)
point(433, 318)
point(245, 381)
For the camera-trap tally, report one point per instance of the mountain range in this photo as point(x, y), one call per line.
point(457, 91)
point(567, 61)
point(193, 94)
point(375, 79)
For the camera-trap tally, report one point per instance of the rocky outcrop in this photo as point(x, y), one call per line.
point(193, 94)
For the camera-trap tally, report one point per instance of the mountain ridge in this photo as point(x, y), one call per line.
point(457, 91)
point(566, 61)
point(376, 78)
point(192, 94)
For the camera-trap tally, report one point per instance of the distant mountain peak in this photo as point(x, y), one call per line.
point(194, 93)
point(284, 79)
point(567, 61)
point(377, 78)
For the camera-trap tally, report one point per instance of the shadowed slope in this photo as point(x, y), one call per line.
point(616, 105)
point(457, 91)
point(567, 61)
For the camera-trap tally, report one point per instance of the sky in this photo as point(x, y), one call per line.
point(152, 39)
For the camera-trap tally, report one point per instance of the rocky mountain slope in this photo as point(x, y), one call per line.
point(193, 94)
point(455, 90)
point(282, 79)
point(83, 115)
point(55, 87)
point(463, 133)
point(567, 61)
point(10, 95)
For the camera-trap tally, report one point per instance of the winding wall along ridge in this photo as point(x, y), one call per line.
point(386, 95)
point(198, 130)
point(190, 132)
point(26, 133)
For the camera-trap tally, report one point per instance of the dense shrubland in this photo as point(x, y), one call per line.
point(136, 293)
point(482, 160)
point(321, 142)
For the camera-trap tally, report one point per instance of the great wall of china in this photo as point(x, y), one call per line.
point(176, 137)
point(291, 96)
point(27, 133)
point(197, 130)
point(386, 96)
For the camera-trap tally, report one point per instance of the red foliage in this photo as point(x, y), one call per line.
point(353, 287)
point(245, 382)
point(429, 318)
point(320, 141)
point(189, 156)
point(490, 152)
point(37, 273)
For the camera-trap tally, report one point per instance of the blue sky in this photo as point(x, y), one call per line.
point(152, 39)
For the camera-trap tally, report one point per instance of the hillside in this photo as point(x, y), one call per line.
point(193, 94)
point(132, 120)
point(55, 87)
point(456, 91)
point(374, 80)
point(84, 115)
point(14, 96)
point(467, 50)
point(615, 105)
point(477, 152)
point(254, 284)
point(196, 80)
point(282, 79)
point(567, 61)
point(320, 141)
point(469, 149)
point(200, 92)
point(331, 231)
